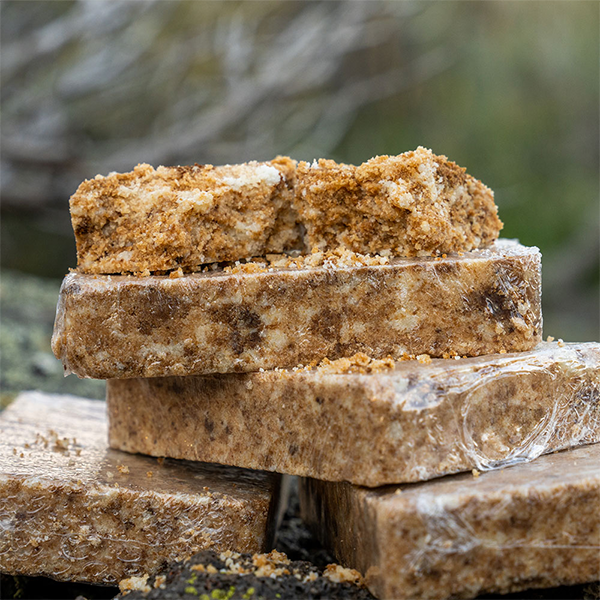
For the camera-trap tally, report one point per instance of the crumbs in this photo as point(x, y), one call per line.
point(359, 363)
point(134, 584)
point(53, 441)
point(275, 564)
point(339, 574)
point(246, 267)
point(363, 364)
point(337, 258)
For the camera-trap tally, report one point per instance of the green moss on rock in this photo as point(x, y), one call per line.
point(27, 310)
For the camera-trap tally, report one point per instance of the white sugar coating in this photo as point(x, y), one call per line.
point(198, 201)
point(398, 193)
point(252, 174)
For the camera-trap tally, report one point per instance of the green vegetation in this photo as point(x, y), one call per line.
point(28, 305)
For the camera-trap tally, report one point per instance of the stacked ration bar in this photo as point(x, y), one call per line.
point(349, 324)
point(73, 509)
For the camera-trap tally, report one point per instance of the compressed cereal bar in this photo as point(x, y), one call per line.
point(285, 313)
point(181, 217)
point(72, 509)
point(414, 204)
point(369, 422)
point(527, 526)
point(152, 220)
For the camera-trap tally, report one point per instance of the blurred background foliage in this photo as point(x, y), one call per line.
point(507, 89)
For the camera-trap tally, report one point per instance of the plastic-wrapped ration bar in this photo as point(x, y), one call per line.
point(72, 509)
point(477, 303)
point(369, 422)
point(530, 525)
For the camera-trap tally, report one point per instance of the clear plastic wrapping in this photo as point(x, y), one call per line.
point(72, 509)
point(182, 217)
point(269, 316)
point(369, 422)
point(413, 204)
point(530, 525)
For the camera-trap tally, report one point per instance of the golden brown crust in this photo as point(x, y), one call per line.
point(414, 204)
point(171, 217)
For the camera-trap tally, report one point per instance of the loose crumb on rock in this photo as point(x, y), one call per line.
point(134, 584)
point(359, 363)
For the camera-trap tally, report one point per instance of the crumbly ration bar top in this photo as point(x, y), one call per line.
point(74, 510)
point(182, 217)
point(148, 221)
point(531, 525)
point(409, 420)
point(264, 316)
point(413, 204)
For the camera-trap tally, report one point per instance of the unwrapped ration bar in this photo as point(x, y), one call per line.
point(183, 217)
point(413, 204)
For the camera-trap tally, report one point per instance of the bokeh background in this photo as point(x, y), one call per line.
point(507, 89)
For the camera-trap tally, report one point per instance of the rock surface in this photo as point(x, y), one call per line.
point(233, 576)
point(27, 311)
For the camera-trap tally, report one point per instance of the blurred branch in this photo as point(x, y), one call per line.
point(105, 85)
point(294, 62)
point(87, 20)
